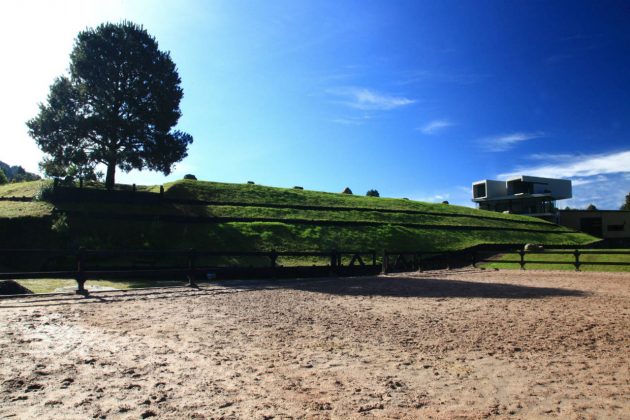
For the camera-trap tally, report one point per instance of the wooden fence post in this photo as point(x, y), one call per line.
point(419, 256)
point(373, 258)
point(385, 268)
point(576, 253)
point(273, 259)
point(521, 252)
point(80, 276)
point(191, 268)
point(334, 261)
point(474, 258)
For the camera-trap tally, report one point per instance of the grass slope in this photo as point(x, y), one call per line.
point(252, 217)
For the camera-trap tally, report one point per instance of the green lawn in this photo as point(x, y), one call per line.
point(22, 189)
point(16, 209)
point(570, 259)
point(130, 225)
point(51, 285)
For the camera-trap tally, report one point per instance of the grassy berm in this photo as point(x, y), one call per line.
point(235, 217)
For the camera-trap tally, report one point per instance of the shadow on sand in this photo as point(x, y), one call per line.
point(393, 286)
point(390, 286)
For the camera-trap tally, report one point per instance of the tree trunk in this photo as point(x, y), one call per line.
point(110, 180)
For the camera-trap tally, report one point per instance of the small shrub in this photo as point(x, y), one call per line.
point(3, 177)
point(190, 176)
point(46, 192)
point(297, 187)
point(445, 202)
point(251, 182)
point(60, 224)
point(347, 190)
point(372, 193)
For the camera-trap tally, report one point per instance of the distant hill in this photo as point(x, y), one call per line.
point(245, 217)
point(17, 173)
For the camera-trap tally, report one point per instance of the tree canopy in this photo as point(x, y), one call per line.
point(372, 193)
point(626, 204)
point(117, 107)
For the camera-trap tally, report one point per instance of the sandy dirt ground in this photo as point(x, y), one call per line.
point(461, 344)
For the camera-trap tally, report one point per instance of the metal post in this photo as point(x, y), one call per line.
point(521, 252)
point(81, 277)
point(576, 253)
point(191, 268)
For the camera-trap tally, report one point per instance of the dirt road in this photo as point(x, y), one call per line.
point(459, 344)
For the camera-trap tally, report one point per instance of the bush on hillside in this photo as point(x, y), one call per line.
point(372, 193)
point(297, 187)
point(190, 176)
point(3, 177)
point(46, 192)
point(347, 190)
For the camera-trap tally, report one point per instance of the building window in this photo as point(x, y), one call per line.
point(615, 228)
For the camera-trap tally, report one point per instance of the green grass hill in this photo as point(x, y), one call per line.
point(246, 217)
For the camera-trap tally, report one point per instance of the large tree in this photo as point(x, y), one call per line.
point(117, 106)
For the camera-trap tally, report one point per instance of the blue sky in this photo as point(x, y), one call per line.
point(416, 99)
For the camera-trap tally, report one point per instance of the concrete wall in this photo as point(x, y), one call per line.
point(610, 219)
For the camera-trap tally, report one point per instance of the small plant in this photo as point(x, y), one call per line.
point(60, 224)
point(46, 192)
point(251, 182)
point(297, 187)
point(445, 202)
point(347, 190)
point(372, 193)
point(190, 176)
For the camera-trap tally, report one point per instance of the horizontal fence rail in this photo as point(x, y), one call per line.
point(190, 267)
point(577, 262)
point(83, 264)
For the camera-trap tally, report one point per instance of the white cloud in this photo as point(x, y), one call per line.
point(360, 120)
point(504, 142)
point(369, 100)
point(457, 195)
point(434, 126)
point(578, 166)
point(600, 179)
point(605, 192)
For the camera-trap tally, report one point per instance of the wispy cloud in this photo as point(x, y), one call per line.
point(606, 192)
point(434, 126)
point(369, 100)
point(601, 179)
point(445, 77)
point(504, 142)
point(360, 120)
point(578, 166)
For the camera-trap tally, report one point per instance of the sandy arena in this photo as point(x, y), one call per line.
point(460, 344)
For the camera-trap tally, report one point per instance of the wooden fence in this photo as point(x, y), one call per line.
point(83, 264)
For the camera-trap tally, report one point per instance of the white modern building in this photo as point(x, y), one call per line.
point(522, 194)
